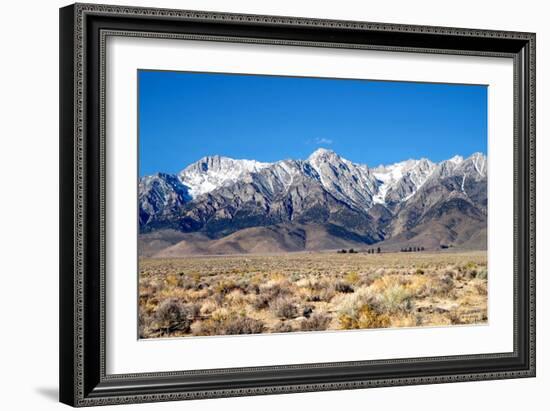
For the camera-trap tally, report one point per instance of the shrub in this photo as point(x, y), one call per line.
point(307, 311)
point(193, 310)
point(185, 283)
point(171, 280)
point(229, 324)
point(343, 287)
point(469, 269)
point(260, 302)
point(274, 290)
point(143, 321)
point(283, 307)
point(396, 298)
point(443, 285)
point(317, 285)
point(225, 286)
point(352, 277)
point(282, 327)
point(243, 325)
point(251, 288)
point(320, 290)
point(316, 322)
point(481, 288)
point(171, 315)
point(268, 293)
point(295, 277)
point(365, 317)
point(482, 274)
point(352, 303)
point(470, 265)
point(454, 274)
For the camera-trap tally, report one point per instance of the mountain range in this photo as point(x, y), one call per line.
point(220, 205)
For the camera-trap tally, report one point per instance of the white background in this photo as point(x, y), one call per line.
point(29, 206)
point(126, 354)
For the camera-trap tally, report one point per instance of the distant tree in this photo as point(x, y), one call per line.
point(351, 251)
point(378, 250)
point(410, 249)
point(421, 248)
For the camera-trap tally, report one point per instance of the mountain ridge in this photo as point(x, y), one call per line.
point(219, 196)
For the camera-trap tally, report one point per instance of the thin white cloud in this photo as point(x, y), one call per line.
point(323, 140)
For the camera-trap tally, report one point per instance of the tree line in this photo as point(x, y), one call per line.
point(411, 249)
point(377, 250)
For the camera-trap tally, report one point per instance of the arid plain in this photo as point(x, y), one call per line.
point(310, 291)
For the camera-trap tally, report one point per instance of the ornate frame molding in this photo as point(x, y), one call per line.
point(82, 352)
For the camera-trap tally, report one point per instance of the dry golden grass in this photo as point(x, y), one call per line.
point(251, 294)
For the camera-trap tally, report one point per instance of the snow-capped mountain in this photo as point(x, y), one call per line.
point(349, 182)
point(219, 195)
point(209, 173)
point(400, 181)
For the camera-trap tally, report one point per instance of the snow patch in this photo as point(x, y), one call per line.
point(456, 159)
point(210, 173)
point(418, 172)
point(479, 163)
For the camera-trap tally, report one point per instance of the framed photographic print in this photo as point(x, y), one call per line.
point(261, 204)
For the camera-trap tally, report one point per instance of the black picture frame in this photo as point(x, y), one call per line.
point(83, 29)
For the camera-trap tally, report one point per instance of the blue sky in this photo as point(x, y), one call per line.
point(185, 116)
